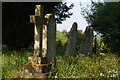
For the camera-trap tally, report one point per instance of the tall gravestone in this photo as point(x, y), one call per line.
point(49, 38)
point(86, 45)
point(70, 48)
point(45, 34)
point(44, 44)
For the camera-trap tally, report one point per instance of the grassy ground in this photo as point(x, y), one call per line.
point(80, 66)
point(0, 66)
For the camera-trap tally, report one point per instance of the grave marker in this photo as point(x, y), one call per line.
point(49, 38)
point(38, 20)
point(44, 44)
point(86, 45)
point(70, 49)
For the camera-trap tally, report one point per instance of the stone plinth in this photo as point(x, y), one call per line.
point(37, 67)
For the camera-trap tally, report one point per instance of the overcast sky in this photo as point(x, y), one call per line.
point(76, 17)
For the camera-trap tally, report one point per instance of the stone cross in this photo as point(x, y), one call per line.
point(72, 40)
point(38, 20)
point(45, 33)
point(44, 45)
point(86, 45)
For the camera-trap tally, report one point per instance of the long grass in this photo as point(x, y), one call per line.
point(79, 66)
point(92, 66)
point(13, 61)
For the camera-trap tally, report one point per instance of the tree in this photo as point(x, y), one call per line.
point(61, 12)
point(105, 18)
point(17, 32)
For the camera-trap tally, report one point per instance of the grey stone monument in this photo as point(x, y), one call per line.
point(49, 38)
point(44, 45)
point(70, 48)
point(86, 45)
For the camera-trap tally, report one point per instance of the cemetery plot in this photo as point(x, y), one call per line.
point(44, 45)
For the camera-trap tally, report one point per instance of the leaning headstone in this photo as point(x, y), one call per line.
point(70, 48)
point(49, 38)
point(86, 45)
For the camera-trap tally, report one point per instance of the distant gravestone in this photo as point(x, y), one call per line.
point(49, 38)
point(86, 45)
point(70, 48)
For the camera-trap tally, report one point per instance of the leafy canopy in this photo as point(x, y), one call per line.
point(105, 18)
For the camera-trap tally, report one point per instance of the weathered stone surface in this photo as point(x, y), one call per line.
point(70, 49)
point(86, 45)
point(45, 33)
point(37, 60)
point(49, 37)
point(37, 68)
point(38, 20)
point(33, 69)
point(44, 43)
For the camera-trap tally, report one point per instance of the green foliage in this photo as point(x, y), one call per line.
point(61, 39)
point(100, 45)
point(62, 36)
point(105, 17)
point(61, 12)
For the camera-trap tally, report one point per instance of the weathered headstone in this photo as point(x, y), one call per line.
point(49, 38)
point(86, 45)
point(70, 48)
point(44, 45)
point(45, 34)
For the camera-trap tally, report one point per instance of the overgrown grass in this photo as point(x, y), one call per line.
point(80, 66)
point(92, 66)
point(13, 61)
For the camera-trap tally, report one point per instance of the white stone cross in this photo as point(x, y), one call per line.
point(38, 20)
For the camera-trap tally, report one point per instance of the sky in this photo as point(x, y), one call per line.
point(76, 17)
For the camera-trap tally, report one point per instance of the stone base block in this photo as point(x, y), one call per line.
point(39, 68)
point(37, 60)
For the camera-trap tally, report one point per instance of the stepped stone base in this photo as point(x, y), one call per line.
point(40, 60)
point(37, 67)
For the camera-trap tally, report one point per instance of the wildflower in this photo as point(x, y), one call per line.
point(55, 76)
point(39, 62)
point(113, 70)
point(113, 73)
point(101, 74)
